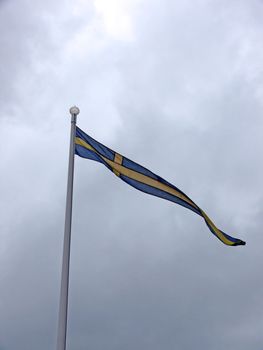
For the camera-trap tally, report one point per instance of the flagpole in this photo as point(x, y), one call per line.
point(63, 304)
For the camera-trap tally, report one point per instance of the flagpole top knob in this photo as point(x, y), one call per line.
point(74, 110)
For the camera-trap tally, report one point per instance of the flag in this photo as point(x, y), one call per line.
point(143, 179)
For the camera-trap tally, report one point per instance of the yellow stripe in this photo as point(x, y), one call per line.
point(147, 181)
point(137, 176)
point(117, 159)
point(82, 143)
point(217, 231)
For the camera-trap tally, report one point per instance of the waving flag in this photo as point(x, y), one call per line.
point(143, 179)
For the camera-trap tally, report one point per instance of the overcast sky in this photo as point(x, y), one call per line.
point(176, 86)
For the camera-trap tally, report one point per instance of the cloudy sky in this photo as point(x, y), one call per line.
point(176, 86)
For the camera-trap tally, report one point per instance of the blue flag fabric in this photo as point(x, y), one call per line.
point(143, 179)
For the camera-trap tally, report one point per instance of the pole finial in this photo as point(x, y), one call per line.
point(74, 110)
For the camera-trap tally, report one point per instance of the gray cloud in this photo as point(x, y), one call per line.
point(182, 97)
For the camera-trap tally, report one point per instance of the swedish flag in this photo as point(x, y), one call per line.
point(143, 179)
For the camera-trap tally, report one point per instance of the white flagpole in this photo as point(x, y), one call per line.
point(63, 304)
